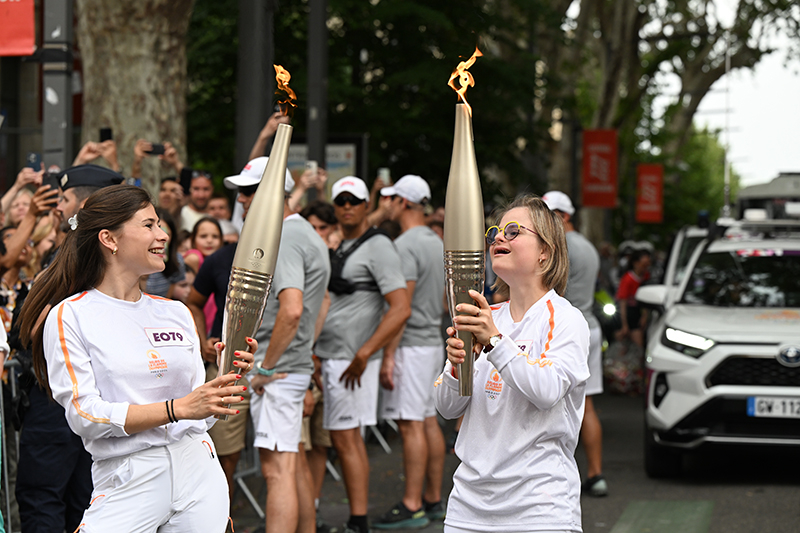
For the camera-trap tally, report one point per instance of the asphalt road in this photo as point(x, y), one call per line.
point(742, 490)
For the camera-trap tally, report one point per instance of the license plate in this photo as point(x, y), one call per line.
point(770, 407)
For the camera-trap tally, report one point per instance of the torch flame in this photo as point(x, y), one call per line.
point(282, 76)
point(465, 78)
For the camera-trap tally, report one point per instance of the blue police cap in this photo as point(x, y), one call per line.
point(88, 176)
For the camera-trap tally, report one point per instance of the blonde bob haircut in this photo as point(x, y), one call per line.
point(550, 229)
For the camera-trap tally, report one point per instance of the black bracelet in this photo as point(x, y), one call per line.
point(169, 416)
point(172, 407)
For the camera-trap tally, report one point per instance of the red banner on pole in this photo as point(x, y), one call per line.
point(599, 184)
point(17, 35)
point(650, 193)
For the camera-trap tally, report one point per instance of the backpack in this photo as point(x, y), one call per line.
point(339, 285)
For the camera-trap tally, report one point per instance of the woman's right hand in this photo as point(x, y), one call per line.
point(210, 399)
point(455, 348)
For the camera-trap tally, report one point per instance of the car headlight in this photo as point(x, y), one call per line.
point(685, 342)
point(610, 309)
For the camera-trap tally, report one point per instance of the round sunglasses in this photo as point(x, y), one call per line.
point(510, 232)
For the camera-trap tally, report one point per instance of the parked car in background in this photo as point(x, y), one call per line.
point(723, 359)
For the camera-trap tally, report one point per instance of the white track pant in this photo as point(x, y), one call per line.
point(166, 489)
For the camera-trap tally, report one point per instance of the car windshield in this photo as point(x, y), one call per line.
point(746, 278)
point(684, 255)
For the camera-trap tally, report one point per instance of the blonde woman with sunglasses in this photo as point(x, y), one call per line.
point(521, 423)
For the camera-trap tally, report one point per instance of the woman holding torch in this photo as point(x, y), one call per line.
point(521, 423)
point(126, 367)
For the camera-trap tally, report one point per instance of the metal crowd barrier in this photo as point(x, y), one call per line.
point(11, 365)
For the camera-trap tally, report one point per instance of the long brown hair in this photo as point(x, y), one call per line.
point(79, 264)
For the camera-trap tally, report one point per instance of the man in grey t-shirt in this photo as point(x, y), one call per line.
point(284, 363)
point(584, 265)
point(355, 332)
point(413, 361)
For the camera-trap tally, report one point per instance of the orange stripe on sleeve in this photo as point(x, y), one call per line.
point(154, 297)
point(552, 326)
point(71, 370)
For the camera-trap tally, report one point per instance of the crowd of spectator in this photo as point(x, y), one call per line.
point(334, 351)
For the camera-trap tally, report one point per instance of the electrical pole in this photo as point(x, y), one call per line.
point(255, 80)
point(726, 207)
point(317, 123)
point(56, 60)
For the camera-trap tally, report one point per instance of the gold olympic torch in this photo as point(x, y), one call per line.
point(257, 251)
point(464, 259)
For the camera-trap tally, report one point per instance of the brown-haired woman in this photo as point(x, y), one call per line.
point(521, 424)
point(127, 369)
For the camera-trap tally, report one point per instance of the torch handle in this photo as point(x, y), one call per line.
point(464, 271)
point(244, 308)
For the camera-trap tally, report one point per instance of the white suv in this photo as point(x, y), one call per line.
point(723, 360)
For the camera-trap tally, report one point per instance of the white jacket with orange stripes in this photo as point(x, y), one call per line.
point(521, 424)
point(104, 354)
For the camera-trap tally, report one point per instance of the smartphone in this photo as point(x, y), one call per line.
point(34, 161)
point(385, 175)
point(312, 166)
point(105, 134)
point(51, 179)
point(158, 149)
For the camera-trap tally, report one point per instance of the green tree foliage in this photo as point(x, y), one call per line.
point(389, 63)
point(693, 184)
point(211, 100)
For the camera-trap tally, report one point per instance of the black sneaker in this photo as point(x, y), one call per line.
point(434, 511)
point(322, 527)
point(399, 517)
point(595, 486)
point(347, 528)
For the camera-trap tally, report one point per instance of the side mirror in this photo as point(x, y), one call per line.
point(654, 296)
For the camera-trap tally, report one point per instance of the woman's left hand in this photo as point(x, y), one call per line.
point(477, 319)
point(244, 360)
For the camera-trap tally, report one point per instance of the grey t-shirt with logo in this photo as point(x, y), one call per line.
point(353, 318)
point(584, 264)
point(422, 253)
point(303, 263)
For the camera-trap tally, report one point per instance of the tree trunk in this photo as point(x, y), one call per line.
point(134, 75)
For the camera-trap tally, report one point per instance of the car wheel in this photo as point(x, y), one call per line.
point(660, 462)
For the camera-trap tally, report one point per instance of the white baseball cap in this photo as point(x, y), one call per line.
point(351, 184)
point(558, 201)
point(411, 187)
point(251, 175)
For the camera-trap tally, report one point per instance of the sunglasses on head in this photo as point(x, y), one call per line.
point(510, 232)
point(250, 190)
point(343, 199)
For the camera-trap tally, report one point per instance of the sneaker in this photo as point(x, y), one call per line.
point(399, 517)
point(347, 528)
point(322, 527)
point(434, 511)
point(595, 486)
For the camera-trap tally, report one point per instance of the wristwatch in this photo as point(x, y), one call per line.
point(493, 341)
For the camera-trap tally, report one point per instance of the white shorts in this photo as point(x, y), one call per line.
point(347, 408)
point(415, 371)
point(453, 529)
point(278, 413)
point(169, 489)
point(594, 385)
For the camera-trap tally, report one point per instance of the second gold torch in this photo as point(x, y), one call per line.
point(464, 257)
point(256, 254)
